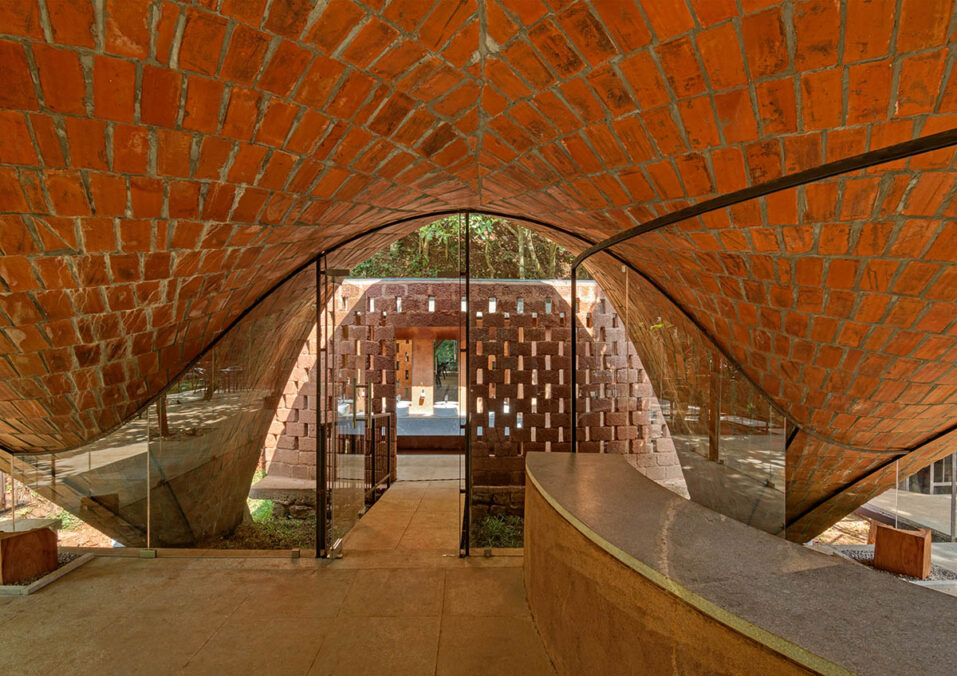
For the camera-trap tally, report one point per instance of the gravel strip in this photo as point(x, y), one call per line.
point(866, 556)
point(62, 560)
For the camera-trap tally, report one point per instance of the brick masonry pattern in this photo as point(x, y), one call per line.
point(162, 164)
point(536, 388)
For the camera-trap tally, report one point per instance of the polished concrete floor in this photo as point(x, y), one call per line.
point(400, 601)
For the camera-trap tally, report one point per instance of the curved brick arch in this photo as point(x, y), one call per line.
point(162, 164)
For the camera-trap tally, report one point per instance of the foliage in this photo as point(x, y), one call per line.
point(68, 521)
point(499, 249)
point(446, 353)
point(499, 531)
point(282, 533)
point(260, 509)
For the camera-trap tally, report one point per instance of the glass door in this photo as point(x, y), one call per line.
point(344, 409)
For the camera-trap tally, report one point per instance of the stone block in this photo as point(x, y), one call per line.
point(619, 447)
point(286, 456)
point(286, 443)
point(654, 473)
point(301, 511)
point(905, 552)
point(27, 554)
point(666, 459)
point(616, 418)
point(664, 445)
point(295, 429)
point(626, 433)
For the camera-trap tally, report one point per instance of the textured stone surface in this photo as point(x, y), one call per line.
point(572, 583)
point(639, 529)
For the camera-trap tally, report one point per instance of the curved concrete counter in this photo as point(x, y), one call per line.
point(624, 576)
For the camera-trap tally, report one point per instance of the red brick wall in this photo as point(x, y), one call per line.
point(163, 164)
point(290, 446)
point(538, 336)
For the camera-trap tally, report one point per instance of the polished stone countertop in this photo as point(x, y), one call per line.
point(827, 613)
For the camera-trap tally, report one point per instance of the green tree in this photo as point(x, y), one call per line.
point(500, 249)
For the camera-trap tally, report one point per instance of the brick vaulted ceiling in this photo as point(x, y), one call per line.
point(163, 163)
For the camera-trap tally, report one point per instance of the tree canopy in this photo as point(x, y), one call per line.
point(500, 249)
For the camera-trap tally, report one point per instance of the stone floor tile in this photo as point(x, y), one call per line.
point(253, 645)
point(389, 593)
point(301, 594)
point(26, 650)
point(491, 646)
point(147, 643)
point(392, 645)
point(485, 592)
point(214, 594)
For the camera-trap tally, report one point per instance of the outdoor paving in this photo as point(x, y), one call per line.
point(429, 467)
point(944, 554)
point(400, 601)
point(918, 509)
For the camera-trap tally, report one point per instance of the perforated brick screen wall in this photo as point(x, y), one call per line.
point(527, 389)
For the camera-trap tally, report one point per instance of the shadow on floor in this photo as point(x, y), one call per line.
point(400, 601)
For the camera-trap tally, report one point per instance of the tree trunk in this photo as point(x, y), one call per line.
point(211, 378)
point(530, 244)
point(521, 255)
point(162, 417)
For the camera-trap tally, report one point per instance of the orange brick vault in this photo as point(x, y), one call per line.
point(163, 163)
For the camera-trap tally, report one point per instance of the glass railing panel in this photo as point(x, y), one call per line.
point(924, 499)
point(708, 434)
point(806, 304)
point(103, 483)
point(211, 423)
point(350, 341)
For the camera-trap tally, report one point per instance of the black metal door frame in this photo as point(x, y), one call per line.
point(465, 272)
point(327, 411)
point(323, 431)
